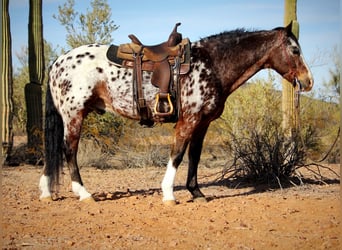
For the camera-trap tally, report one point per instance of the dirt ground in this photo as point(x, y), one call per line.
point(129, 213)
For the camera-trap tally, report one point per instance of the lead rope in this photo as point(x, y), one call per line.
point(297, 102)
point(297, 110)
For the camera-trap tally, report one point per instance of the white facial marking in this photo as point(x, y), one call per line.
point(80, 191)
point(168, 182)
point(294, 44)
point(44, 186)
point(306, 66)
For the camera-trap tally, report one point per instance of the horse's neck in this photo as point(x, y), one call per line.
point(246, 61)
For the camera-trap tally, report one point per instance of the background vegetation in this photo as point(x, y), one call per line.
point(250, 124)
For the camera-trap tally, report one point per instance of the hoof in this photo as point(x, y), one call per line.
point(170, 203)
point(88, 200)
point(46, 199)
point(200, 200)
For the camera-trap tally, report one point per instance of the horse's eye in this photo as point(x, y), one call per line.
point(295, 50)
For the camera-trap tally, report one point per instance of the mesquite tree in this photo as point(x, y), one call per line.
point(94, 26)
point(33, 90)
point(6, 82)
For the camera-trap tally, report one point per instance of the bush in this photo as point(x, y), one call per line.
point(141, 147)
point(115, 142)
point(261, 151)
point(267, 156)
point(105, 130)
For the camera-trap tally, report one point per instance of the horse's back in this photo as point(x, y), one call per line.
point(73, 62)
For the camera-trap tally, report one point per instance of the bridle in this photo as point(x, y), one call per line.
point(292, 65)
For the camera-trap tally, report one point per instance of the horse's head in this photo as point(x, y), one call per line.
point(287, 59)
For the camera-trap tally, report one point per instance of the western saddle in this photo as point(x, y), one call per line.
point(166, 61)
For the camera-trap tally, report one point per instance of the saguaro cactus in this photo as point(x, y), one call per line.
point(33, 90)
point(6, 82)
point(290, 116)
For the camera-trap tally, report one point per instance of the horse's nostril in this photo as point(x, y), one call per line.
point(309, 85)
point(311, 82)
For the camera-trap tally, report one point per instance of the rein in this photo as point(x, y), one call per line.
point(298, 91)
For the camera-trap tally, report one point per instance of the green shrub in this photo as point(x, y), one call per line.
point(259, 148)
point(105, 130)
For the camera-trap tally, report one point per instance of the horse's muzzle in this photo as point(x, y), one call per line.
point(303, 85)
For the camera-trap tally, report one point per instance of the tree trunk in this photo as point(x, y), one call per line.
point(6, 83)
point(290, 116)
point(33, 90)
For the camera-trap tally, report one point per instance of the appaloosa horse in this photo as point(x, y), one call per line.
point(83, 80)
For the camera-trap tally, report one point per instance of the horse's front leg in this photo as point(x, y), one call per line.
point(71, 141)
point(178, 149)
point(195, 150)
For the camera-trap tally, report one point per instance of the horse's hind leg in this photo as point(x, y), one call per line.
point(71, 140)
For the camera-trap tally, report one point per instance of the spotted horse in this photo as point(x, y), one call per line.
point(83, 80)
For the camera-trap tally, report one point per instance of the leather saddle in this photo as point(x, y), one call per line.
point(166, 61)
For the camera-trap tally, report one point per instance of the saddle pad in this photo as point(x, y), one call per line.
point(111, 55)
point(115, 54)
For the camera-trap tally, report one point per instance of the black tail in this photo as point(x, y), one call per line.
point(54, 133)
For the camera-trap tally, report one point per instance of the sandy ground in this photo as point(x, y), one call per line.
point(129, 213)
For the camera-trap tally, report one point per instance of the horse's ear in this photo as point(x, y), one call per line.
point(288, 28)
point(293, 29)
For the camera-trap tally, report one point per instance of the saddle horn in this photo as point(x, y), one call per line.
point(175, 37)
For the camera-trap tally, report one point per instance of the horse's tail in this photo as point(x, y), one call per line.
point(54, 133)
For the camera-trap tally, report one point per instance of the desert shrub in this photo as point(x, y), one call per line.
point(110, 141)
point(142, 147)
point(91, 154)
point(268, 155)
point(105, 130)
point(144, 156)
point(324, 117)
point(260, 150)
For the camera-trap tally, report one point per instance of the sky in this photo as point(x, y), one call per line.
point(152, 21)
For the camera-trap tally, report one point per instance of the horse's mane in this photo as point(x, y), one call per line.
point(232, 34)
point(228, 41)
point(237, 33)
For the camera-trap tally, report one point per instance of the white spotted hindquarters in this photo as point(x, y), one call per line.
point(168, 181)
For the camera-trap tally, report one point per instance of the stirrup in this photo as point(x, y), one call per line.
point(164, 96)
